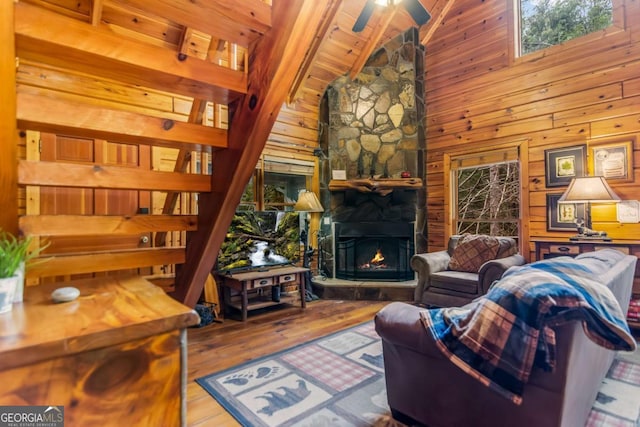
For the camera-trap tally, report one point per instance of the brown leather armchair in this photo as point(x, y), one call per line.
point(425, 387)
point(440, 286)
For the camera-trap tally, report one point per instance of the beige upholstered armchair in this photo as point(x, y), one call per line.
point(465, 270)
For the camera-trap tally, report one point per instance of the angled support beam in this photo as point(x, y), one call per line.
point(275, 60)
point(310, 57)
point(372, 43)
point(47, 37)
point(436, 18)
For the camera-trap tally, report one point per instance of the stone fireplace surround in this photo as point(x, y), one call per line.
point(372, 150)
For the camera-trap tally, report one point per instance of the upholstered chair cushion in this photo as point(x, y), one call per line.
point(472, 251)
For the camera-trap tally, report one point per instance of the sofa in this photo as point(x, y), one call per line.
point(426, 385)
point(441, 286)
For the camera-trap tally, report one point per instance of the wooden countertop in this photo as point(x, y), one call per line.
point(109, 311)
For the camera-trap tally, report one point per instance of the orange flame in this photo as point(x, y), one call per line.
point(378, 258)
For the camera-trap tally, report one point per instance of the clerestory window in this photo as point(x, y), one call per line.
point(546, 23)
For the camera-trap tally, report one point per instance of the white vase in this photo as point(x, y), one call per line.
point(19, 293)
point(7, 290)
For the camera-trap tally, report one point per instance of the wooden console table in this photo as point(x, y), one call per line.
point(552, 247)
point(116, 356)
point(244, 282)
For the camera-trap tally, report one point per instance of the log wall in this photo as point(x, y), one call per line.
point(586, 91)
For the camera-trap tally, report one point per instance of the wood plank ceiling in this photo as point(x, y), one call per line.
point(106, 68)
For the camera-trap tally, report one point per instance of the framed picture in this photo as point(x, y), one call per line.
point(612, 159)
point(562, 216)
point(561, 165)
point(628, 211)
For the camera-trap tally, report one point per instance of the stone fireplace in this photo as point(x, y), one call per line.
point(372, 174)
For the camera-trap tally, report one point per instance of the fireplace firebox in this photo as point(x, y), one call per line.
point(376, 251)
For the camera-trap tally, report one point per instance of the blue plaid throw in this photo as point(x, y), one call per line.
point(499, 337)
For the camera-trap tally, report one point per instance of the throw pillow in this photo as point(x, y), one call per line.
point(472, 251)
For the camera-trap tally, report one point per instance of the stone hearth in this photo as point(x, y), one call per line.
point(338, 289)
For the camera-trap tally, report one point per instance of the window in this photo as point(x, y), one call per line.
point(276, 183)
point(486, 195)
point(545, 23)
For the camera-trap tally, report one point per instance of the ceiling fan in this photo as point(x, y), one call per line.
point(414, 7)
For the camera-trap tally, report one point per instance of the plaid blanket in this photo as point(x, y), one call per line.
point(500, 337)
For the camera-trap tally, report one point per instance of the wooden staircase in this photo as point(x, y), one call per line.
point(111, 95)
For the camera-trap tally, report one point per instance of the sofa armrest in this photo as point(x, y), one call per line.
point(493, 270)
point(400, 324)
point(425, 265)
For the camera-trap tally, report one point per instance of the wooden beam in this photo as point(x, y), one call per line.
point(275, 60)
point(88, 225)
point(372, 42)
point(310, 57)
point(384, 186)
point(41, 109)
point(96, 12)
point(238, 21)
point(8, 129)
point(97, 176)
point(53, 39)
point(64, 265)
point(436, 20)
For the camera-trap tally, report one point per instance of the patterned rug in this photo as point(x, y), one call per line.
point(338, 381)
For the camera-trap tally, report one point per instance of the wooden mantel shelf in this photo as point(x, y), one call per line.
point(381, 186)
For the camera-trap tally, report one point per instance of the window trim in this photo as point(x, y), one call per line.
point(488, 147)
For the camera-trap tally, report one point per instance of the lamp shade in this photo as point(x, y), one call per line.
point(587, 189)
point(308, 202)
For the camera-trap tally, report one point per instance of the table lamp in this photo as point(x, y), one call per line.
point(307, 202)
point(587, 190)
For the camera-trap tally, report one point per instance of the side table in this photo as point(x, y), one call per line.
point(244, 282)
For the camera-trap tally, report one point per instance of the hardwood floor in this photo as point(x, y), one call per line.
point(222, 345)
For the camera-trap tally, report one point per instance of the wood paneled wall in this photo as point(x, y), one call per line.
point(478, 94)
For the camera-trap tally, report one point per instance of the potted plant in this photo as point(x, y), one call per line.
point(14, 253)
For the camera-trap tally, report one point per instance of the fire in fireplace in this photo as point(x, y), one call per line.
point(377, 251)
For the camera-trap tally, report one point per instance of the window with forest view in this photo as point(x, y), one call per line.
point(545, 23)
point(488, 199)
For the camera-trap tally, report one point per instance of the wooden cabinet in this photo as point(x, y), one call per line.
point(115, 356)
point(255, 289)
point(548, 248)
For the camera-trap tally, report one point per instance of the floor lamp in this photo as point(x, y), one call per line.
point(307, 202)
point(587, 190)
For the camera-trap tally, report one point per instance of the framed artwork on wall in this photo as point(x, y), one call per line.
point(561, 217)
point(612, 159)
point(628, 211)
point(561, 165)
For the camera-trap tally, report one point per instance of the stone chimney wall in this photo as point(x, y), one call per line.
point(376, 122)
point(373, 127)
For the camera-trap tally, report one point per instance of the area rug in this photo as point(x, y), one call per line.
point(338, 381)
